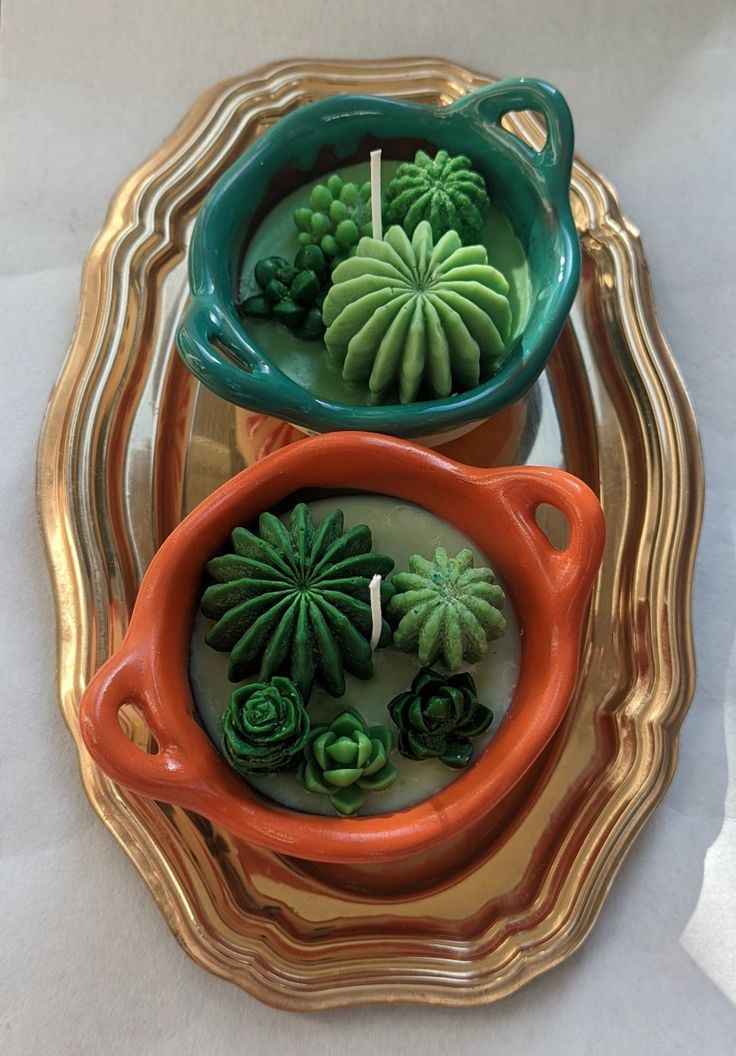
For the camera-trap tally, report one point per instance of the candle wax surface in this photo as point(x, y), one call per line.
point(399, 529)
point(307, 362)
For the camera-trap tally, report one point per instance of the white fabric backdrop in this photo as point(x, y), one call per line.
point(91, 88)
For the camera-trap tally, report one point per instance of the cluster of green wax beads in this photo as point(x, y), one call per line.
point(292, 294)
point(337, 217)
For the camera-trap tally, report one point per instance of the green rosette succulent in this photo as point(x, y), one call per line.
point(438, 716)
point(337, 216)
point(417, 315)
point(445, 190)
point(347, 759)
point(446, 609)
point(265, 727)
point(296, 600)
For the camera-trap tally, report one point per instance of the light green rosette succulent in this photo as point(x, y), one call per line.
point(417, 315)
point(446, 191)
point(347, 759)
point(446, 609)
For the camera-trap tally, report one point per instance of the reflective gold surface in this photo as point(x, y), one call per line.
point(131, 443)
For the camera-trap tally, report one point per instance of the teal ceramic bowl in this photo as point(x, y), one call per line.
point(531, 188)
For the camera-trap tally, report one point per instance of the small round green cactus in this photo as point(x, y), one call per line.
point(446, 191)
point(347, 759)
point(337, 216)
point(265, 727)
point(446, 608)
point(438, 716)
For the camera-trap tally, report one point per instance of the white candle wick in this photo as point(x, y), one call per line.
point(376, 614)
point(376, 219)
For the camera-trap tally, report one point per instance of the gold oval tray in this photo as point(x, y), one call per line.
point(131, 443)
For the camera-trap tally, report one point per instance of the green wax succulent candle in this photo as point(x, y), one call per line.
point(346, 759)
point(305, 361)
point(409, 314)
point(265, 727)
point(336, 216)
point(297, 600)
point(401, 530)
point(438, 716)
point(447, 609)
point(443, 190)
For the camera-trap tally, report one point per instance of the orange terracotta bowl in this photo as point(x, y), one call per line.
point(496, 508)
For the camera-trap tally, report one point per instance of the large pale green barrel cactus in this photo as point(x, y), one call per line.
point(417, 316)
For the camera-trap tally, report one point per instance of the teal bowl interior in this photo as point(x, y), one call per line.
point(531, 188)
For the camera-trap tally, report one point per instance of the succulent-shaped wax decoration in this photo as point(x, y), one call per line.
point(265, 727)
point(347, 759)
point(446, 608)
point(297, 600)
point(291, 294)
point(446, 191)
point(338, 214)
point(415, 314)
point(438, 716)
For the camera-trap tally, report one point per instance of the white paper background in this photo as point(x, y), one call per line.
point(88, 90)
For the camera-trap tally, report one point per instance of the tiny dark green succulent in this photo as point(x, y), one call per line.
point(291, 294)
point(265, 727)
point(297, 601)
point(347, 759)
point(446, 191)
point(446, 608)
point(438, 716)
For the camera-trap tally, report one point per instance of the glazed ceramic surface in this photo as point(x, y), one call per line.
point(548, 587)
point(530, 187)
point(132, 443)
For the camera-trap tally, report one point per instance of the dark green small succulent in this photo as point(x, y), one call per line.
point(438, 716)
point(265, 727)
point(291, 294)
point(347, 759)
point(444, 190)
point(296, 601)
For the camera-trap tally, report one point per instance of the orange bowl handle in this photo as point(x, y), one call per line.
point(120, 682)
point(570, 571)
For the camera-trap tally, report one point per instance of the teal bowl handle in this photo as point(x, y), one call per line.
point(217, 353)
point(554, 161)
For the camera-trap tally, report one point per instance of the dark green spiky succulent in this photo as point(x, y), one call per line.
point(265, 727)
point(444, 190)
point(347, 759)
point(338, 214)
point(297, 600)
point(446, 608)
point(438, 716)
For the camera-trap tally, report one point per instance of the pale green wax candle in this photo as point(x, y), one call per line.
point(307, 362)
point(399, 529)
